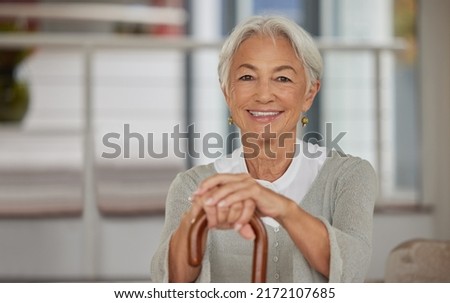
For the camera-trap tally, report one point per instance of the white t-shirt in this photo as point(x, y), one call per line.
point(294, 183)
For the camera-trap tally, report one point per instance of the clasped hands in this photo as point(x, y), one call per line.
point(230, 200)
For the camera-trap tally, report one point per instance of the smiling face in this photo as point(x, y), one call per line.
point(268, 86)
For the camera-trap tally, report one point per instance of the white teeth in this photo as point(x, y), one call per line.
point(263, 114)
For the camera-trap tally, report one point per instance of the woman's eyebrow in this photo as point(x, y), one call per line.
point(247, 65)
point(276, 69)
point(284, 67)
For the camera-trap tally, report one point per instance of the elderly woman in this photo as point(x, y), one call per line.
point(317, 206)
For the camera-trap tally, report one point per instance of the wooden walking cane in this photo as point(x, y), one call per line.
point(197, 240)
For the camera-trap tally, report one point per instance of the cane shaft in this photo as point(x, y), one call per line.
point(197, 242)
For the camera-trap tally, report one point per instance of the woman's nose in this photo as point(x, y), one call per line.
point(264, 91)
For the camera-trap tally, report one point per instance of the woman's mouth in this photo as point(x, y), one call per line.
point(264, 116)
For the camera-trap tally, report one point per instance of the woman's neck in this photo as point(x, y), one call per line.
point(269, 159)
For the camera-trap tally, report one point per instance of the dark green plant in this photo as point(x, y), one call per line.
point(14, 97)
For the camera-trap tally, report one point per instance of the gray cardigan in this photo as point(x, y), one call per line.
point(342, 196)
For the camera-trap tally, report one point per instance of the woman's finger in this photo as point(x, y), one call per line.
point(210, 211)
point(250, 190)
point(249, 207)
point(247, 232)
point(234, 213)
point(216, 180)
point(217, 216)
point(222, 215)
point(224, 190)
point(196, 207)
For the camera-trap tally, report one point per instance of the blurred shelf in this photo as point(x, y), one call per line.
point(129, 13)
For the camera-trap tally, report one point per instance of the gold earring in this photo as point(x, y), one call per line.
point(305, 121)
point(230, 120)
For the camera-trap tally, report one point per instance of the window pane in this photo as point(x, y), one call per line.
point(370, 94)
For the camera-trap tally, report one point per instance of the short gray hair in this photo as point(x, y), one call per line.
point(272, 26)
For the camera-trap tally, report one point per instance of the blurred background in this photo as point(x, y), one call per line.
point(90, 93)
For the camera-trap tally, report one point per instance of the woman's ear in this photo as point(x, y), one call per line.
point(310, 95)
point(225, 95)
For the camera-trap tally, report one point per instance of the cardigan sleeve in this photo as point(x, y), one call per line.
point(350, 229)
point(177, 203)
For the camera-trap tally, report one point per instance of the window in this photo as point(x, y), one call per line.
point(378, 116)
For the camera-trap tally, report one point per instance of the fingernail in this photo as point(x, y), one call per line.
point(209, 201)
point(222, 203)
point(237, 227)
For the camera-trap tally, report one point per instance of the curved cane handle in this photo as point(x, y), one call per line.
point(197, 240)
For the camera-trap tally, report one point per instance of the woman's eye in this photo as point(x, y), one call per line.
point(246, 78)
point(283, 79)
